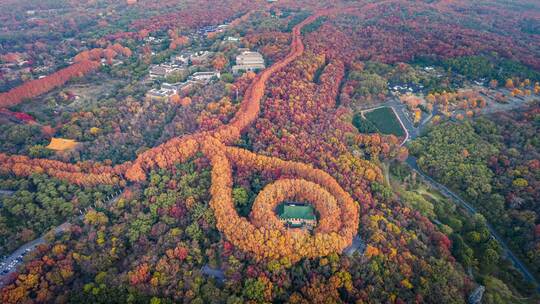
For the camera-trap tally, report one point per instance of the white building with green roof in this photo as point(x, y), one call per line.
point(295, 215)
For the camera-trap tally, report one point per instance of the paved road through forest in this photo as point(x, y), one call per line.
point(414, 132)
point(11, 262)
point(411, 161)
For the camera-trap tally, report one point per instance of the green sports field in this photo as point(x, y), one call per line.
point(385, 121)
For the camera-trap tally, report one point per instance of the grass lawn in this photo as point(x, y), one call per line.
point(385, 121)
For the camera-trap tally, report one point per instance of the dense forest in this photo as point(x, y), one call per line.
point(38, 204)
point(493, 162)
point(199, 176)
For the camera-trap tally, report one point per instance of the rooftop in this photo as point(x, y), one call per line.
point(205, 73)
point(248, 58)
point(296, 211)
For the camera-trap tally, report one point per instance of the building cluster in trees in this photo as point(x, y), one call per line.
point(37, 87)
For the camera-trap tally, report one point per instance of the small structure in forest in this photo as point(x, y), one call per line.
point(476, 296)
point(205, 76)
point(62, 144)
point(232, 39)
point(166, 91)
point(297, 215)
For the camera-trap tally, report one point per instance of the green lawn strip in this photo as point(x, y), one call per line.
point(385, 120)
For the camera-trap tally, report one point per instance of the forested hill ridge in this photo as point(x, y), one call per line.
point(149, 150)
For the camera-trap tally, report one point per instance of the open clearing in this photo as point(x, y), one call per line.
point(385, 121)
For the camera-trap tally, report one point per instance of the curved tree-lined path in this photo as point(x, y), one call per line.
point(263, 239)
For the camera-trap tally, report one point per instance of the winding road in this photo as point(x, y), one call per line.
point(412, 162)
point(413, 132)
point(213, 144)
point(11, 262)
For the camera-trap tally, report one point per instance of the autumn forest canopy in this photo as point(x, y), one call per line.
point(148, 148)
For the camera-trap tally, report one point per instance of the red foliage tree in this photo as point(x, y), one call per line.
point(37, 87)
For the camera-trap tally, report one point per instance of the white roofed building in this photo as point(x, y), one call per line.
point(249, 61)
point(164, 70)
point(205, 76)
